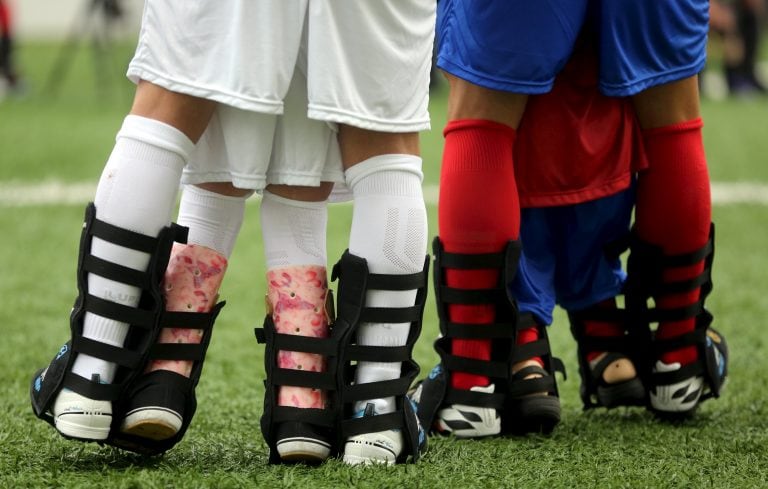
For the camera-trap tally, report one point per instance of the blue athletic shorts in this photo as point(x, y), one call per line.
point(520, 45)
point(564, 260)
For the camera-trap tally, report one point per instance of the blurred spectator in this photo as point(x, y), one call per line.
point(738, 23)
point(9, 78)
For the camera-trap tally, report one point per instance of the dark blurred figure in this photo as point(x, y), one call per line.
point(738, 22)
point(7, 70)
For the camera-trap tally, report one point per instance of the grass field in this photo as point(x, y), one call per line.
point(66, 138)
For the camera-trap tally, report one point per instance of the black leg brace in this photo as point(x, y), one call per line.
point(595, 392)
point(517, 399)
point(165, 388)
point(323, 421)
point(144, 320)
point(645, 268)
point(342, 354)
point(354, 282)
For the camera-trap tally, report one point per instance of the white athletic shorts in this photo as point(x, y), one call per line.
point(285, 73)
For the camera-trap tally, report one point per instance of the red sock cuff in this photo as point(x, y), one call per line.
point(692, 124)
point(461, 124)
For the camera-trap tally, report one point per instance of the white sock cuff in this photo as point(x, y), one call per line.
point(384, 163)
point(156, 133)
point(214, 220)
point(293, 232)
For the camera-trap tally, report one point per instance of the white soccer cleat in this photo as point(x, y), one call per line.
point(680, 397)
point(76, 416)
point(154, 422)
point(469, 421)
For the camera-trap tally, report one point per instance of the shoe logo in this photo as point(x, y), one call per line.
point(64, 349)
point(435, 371)
point(38, 383)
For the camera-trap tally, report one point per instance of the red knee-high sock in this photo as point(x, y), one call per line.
point(478, 212)
point(674, 211)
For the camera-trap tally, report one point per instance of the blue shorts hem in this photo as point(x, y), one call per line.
point(634, 87)
point(525, 87)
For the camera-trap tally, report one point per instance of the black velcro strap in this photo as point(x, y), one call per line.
point(390, 314)
point(377, 281)
point(462, 261)
point(305, 344)
point(115, 354)
point(486, 331)
point(526, 351)
point(683, 286)
point(677, 314)
point(688, 259)
point(523, 387)
point(115, 272)
point(692, 338)
point(314, 416)
point(452, 295)
point(372, 424)
point(604, 343)
point(453, 363)
point(186, 320)
point(376, 390)
point(303, 378)
point(177, 351)
point(123, 237)
point(92, 390)
point(118, 312)
point(525, 320)
point(370, 353)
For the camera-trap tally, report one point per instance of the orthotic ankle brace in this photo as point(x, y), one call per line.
point(512, 392)
point(645, 269)
point(146, 321)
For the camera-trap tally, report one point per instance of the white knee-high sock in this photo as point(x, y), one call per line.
point(389, 230)
point(214, 220)
point(137, 191)
point(294, 232)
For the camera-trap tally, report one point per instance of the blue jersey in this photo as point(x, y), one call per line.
point(520, 45)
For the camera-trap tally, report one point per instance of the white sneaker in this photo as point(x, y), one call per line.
point(77, 416)
point(374, 448)
point(382, 447)
point(469, 421)
point(156, 423)
point(679, 397)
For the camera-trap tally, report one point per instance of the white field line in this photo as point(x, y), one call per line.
point(14, 194)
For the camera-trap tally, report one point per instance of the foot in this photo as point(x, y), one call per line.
point(617, 382)
point(76, 416)
point(152, 422)
point(469, 421)
point(382, 447)
point(302, 442)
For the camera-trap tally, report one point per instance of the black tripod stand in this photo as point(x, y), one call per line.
point(99, 19)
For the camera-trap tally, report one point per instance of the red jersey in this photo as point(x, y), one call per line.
point(575, 144)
